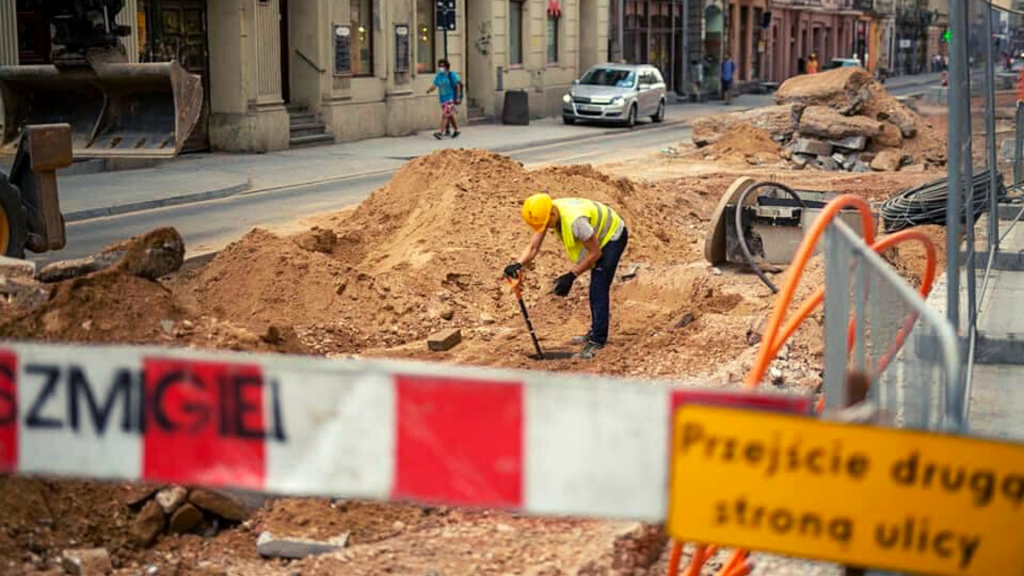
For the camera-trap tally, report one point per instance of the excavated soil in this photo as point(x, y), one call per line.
point(421, 254)
point(744, 143)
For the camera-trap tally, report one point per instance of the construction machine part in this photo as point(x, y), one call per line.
point(773, 223)
point(31, 216)
point(115, 110)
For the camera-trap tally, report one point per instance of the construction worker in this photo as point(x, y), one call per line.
point(595, 237)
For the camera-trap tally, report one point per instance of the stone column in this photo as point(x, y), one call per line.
point(8, 33)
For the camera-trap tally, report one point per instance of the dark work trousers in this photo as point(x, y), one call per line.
point(601, 277)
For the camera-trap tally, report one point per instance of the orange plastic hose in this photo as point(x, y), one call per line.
point(804, 254)
point(673, 559)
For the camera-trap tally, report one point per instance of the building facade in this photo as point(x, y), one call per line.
point(828, 28)
point(362, 66)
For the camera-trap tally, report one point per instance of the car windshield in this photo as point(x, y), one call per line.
point(609, 77)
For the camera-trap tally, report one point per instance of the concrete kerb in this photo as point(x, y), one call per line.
point(92, 213)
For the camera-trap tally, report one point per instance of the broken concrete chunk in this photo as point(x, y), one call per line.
point(170, 498)
point(224, 505)
point(887, 160)
point(779, 121)
point(851, 161)
point(889, 136)
point(860, 167)
point(812, 147)
point(801, 160)
point(184, 519)
point(148, 524)
point(87, 562)
point(270, 546)
point(843, 89)
point(444, 340)
point(828, 124)
point(826, 163)
point(851, 143)
point(150, 256)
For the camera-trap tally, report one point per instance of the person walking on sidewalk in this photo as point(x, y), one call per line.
point(728, 73)
point(595, 237)
point(449, 91)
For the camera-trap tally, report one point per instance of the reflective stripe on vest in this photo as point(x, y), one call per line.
point(602, 219)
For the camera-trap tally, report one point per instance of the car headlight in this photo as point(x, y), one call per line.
point(567, 98)
point(618, 101)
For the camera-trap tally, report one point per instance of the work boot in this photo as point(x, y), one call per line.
point(580, 339)
point(589, 350)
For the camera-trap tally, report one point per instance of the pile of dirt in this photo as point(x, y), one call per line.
point(420, 254)
point(839, 120)
point(744, 143)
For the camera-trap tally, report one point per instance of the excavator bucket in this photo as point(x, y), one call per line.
point(115, 110)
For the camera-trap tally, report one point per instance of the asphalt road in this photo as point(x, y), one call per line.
point(208, 226)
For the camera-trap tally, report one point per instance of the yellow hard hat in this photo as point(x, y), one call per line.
point(537, 211)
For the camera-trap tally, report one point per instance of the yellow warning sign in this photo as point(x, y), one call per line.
point(861, 496)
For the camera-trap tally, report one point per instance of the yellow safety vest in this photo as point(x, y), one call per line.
point(602, 219)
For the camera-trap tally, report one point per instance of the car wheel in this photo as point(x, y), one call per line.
point(631, 119)
point(568, 120)
point(660, 114)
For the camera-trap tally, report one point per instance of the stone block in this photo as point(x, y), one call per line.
point(444, 340)
point(86, 562)
point(184, 519)
point(148, 524)
point(224, 505)
point(826, 163)
point(889, 136)
point(801, 160)
point(826, 123)
point(813, 147)
point(887, 161)
point(171, 498)
point(270, 546)
point(852, 143)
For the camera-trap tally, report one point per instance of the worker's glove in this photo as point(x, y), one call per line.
point(513, 269)
point(563, 284)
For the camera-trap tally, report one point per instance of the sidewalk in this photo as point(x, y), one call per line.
point(201, 177)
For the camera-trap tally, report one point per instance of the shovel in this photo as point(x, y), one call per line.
point(516, 284)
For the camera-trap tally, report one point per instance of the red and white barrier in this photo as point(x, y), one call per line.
point(532, 441)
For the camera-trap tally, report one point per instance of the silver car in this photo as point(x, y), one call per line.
point(616, 93)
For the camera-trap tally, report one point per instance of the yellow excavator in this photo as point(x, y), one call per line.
point(90, 100)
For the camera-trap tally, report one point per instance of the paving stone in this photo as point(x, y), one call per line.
point(87, 562)
point(813, 147)
point(270, 546)
point(174, 496)
point(184, 519)
point(444, 340)
point(851, 143)
point(224, 505)
point(148, 524)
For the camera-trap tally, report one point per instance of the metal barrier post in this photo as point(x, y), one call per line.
point(959, 100)
point(1018, 144)
point(990, 127)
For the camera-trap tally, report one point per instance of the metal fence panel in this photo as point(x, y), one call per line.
point(905, 347)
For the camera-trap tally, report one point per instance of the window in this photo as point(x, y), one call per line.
point(515, 32)
point(552, 40)
point(362, 37)
point(425, 36)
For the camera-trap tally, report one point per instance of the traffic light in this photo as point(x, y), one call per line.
point(946, 36)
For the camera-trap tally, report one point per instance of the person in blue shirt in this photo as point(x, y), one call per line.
point(728, 72)
point(449, 91)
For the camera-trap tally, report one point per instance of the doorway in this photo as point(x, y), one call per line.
point(33, 33)
point(282, 19)
point(176, 30)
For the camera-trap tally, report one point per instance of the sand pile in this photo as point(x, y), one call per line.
point(743, 143)
point(424, 251)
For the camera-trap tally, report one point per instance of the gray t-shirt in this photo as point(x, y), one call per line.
point(582, 231)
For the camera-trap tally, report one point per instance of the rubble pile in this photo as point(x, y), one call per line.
point(839, 120)
point(179, 510)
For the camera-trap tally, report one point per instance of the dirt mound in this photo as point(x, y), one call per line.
point(422, 253)
point(744, 143)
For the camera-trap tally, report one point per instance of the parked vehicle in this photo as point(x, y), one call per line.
point(842, 63)
point(616, 93)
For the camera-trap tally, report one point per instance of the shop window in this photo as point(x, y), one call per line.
point(515, 32)
point(552, 40)
point(362, 37)
point(425, 36)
